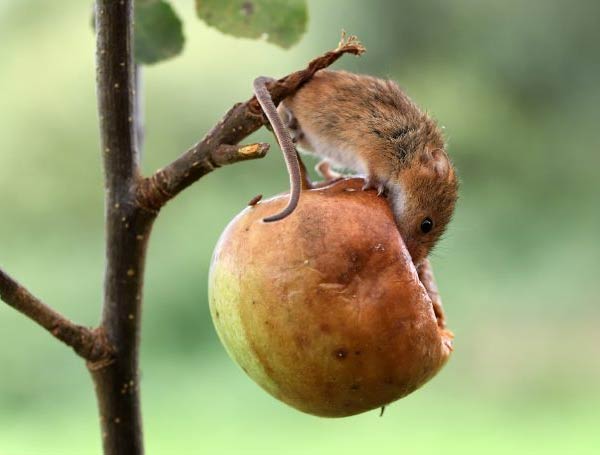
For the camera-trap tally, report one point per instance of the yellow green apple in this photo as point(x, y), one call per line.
point(324, 309)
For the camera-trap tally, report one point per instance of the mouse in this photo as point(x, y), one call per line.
point(369, 126)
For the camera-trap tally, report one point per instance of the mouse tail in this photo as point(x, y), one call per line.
point(285, 142)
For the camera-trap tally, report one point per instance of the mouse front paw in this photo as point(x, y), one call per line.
point(294, 128)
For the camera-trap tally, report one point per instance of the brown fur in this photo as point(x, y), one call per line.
point(370, 125)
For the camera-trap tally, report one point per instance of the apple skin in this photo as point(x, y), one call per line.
point(324, 309)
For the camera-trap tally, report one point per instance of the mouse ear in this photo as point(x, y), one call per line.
point(438, 161)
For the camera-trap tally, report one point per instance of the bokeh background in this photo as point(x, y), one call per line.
point(515, 83)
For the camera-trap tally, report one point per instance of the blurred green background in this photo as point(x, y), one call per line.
point(515, 83)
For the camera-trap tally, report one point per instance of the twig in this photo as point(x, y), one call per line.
point(152, 192)
point(89, 344)
point(241, 120)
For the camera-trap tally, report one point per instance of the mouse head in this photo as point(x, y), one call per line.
point(423, 200)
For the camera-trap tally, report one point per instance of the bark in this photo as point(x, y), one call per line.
point(89, 344)
point(127, 230)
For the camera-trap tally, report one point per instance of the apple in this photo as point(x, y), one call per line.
point(324, 309)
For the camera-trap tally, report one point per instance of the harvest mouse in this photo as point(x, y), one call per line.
point(370, 126)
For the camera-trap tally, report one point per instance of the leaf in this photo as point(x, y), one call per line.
point(158, 31)
point(281, 22)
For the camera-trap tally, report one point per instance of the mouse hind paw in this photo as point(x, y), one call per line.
point(325, 170)
point(373, 183)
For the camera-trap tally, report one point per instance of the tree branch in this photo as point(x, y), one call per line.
point(152, 192)
point(127, 230)
point(241, 120)
point(89, 344)
point(116, 91)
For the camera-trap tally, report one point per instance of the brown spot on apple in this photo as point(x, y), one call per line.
point(341, 353)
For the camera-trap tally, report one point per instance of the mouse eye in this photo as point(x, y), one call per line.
point(426, 225)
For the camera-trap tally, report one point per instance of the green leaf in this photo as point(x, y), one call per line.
point(281, 22)
point(158, 32)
